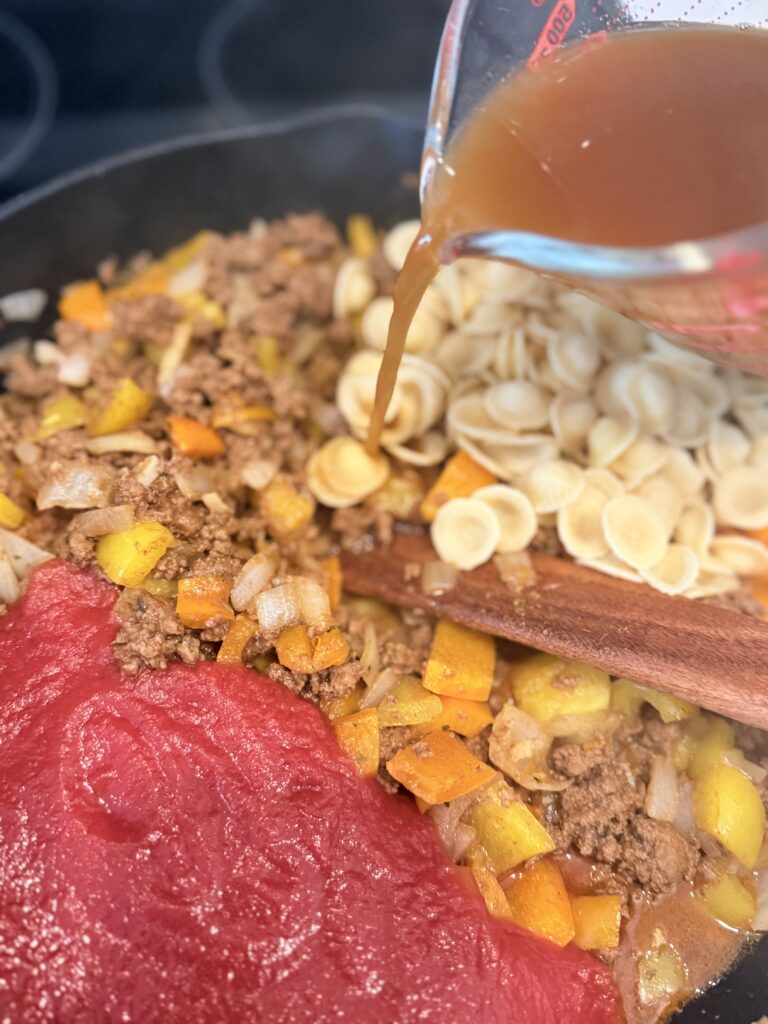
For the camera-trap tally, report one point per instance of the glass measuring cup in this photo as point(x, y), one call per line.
point(708, 294)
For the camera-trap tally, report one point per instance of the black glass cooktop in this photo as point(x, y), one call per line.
point(83, 79)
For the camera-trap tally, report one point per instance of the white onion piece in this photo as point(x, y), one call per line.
point(9, 584)
point(314, 603)
point(148, 470)
point(47, 353)
point(379, 689)
point(370, 659)
point(101, 521)
point(23, 306)
point(189, 279)
point(74, 370)
point(257, 473)
point(253, 578)
point(278, 607)
point(75, 486)
point(131, 441)
point(684, 820)
point(27, 452)
point(437, 577)
point(661, 798)
point(519, 747)
point(454, 835)
point(194, 482)
point(760, 920)
point(22, 553)
point(214, 502)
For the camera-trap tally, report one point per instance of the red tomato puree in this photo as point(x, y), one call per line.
point(191, 846)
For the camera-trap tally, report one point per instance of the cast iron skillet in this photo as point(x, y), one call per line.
point(340, 160)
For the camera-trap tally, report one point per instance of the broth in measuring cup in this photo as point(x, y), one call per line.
point(640, 138)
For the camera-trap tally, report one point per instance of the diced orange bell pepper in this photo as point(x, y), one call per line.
point(338, 707)
point(408, 703)
point(294, 649)
point(194, 439)
point(461, 662)
point(358, 736)
point(761, 534)
point(465, 717)
point(439, 768)
point(332, 580)
point(203, 601)
point(491, 891)
point(86, 303)
point(287, 509)
point(461, 476)
point(240, 632)
point(539, 902)
point(329, 649)
point(597, 921)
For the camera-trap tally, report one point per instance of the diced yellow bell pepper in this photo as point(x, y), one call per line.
point(329, 649)
point(194, 439)
point(711, 748)
point(197, 303)
point(408, 703)
point(439, 768)
point(129, 556)
point(294, 649)
point(65, 413)
point(461, 476)
point(358, 736)
point(268, 353)
point(127, 404)
point(332, 580)
point(338, 707)
point(465, 717)
point(461, 662)
point(399, 495)
point(727, 805)
point(546, 687)
point(682, 751)
point(361, 235)
point(597, 921)
point(491, 891)
point(160, 588)
point(286, 508)
point(203, 601)
point(730, 901)
point(245, 414)
point(11, 515)
point(180, 255)
point(86, 303)
point(153, 280)
point(627, 698)
point(509, 833)
point(539, 902)
point(241, 630)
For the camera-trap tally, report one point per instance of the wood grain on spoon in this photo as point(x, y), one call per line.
point(713, 657)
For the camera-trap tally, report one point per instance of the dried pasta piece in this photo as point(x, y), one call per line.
point(574, 359)
point(696, 526)
point(608, 439)
point(571, 417)
point(728, 446)
point(681, 469)
point(428, 450)
point(689, 423)
point(580, 525)
point(740, 498)
point(518, 405)
point(650, 397)
point(398, 241)
point(553, 485)
point(711, 584)
point(611, 566)
point(465, 532)
point(676, 571)
point(341, 473)
point(663, 494)
point(353, 289)
point(634, 530)
point(644, 457)
point(744, 555)
point(511, 355)
point(515, 514)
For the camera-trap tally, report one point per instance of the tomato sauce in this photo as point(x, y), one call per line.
point(191, 846)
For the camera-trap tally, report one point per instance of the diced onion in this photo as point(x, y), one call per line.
point(515, 569)
point(684, 820)
point(519, 747)
point(314, 603)
point(47, 353)
point(189, 279)
point(101, 521)
point(370, 659)
point(438, 577)
point(75, 486)
point(27, 452)
point(453, 833)
point(379, 688)
point(662, 795)
point(214, 502)
point(23, 306)
point(148, 470)
point(257, 473)
point(194, 482)
point(74, 370)
point(278, 607)
point(126, 441)
point(9, 584)
point(22, 553)
point(253, 578)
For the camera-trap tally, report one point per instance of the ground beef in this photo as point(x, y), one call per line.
point(149, 318)
point(150, 634)
point(362, 526)
point(574, 760)
point(595, 811)
point(656, 855)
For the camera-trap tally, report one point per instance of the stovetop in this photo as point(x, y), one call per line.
point(85, 79)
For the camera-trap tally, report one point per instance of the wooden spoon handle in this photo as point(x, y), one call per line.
point(715, 658)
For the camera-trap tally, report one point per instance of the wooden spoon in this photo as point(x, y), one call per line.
point(716, 658)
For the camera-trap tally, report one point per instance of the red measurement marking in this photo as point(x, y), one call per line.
point(557, 27)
